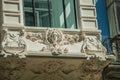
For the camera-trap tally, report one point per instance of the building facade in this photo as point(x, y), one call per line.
point(53, 29)
point(112, 71)
point(113, 6)
point(34, 22)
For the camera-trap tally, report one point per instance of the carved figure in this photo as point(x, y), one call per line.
point(54, 38)
point(58, 43)
point(92, 46)
point(13, 44)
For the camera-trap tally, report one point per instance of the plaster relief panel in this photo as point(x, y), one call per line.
point(53, 41)
point(35, 41)
point(88, 12)
point(11, 6)
point(62, 43)
point(13, 43)
point(14, 19)
point(87, 2)
point(89, 23)
point(93, 46)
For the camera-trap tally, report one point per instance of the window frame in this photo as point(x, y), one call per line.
point(76, 10)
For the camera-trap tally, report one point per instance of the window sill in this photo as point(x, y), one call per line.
point(28, 28)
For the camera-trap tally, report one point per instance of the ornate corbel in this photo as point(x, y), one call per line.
point(13, 43)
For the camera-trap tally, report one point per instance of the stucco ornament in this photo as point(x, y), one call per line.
point(54, 38)
point(34, 36)
point(59, 43)
point(93, 46)
point(13, 43)
point(71, 39)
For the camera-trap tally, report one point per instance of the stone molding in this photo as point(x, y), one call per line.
point(53, 41)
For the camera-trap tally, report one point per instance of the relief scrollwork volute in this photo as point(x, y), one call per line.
point(34, 36)
point(92, 43)
point(71, 39)
point(93, 46)
point(13, 43)
point(58, 43)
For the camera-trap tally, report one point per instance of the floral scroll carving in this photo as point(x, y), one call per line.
point(13, 43)
point(57, 41)
point(34, 36)
point(51, 41)
point(71, 39)
point(92, 46)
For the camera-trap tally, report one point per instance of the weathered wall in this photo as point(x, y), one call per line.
point(43, 68)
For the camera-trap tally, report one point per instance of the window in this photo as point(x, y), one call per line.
point(50, 13)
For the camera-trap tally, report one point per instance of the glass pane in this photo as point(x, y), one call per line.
point(27, 3)
point(42, 13)
point(29, 21)
point(49, 13)
point(70, 14)
point(57, 14)
point(28, 13)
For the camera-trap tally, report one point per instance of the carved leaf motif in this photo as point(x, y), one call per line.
point(71, 39)
point(34, 36)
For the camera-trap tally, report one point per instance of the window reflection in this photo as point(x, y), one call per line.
point(50, 13)
point(28, 13)
point(42, 13)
